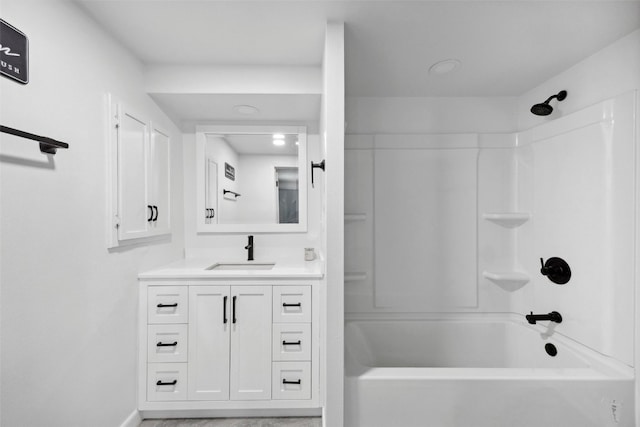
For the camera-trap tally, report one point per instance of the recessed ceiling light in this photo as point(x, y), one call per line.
point(278, 142)
point(278, 136)
point(245, 110)
point(444, 67)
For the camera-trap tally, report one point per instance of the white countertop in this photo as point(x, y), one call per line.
point(195, 268)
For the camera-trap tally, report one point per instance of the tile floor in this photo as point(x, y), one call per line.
point(236, 422)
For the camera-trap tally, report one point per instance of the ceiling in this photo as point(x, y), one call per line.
point(505, 47)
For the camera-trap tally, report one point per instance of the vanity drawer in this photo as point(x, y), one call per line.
point(167, 343)
point(166, 382)
point(291, 304)
point(291, 341)
point(291, 380)
point(167, 304)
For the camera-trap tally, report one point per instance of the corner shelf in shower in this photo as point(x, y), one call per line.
point(510, 279)
point(507, 219)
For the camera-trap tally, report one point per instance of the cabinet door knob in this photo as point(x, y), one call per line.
point(155, 218)
point(291, 382)
point(150, 213)
point(298, 304)
point(161, 344)
point(174, 382)
point(299, 342)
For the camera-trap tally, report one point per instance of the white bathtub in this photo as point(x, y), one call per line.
point(448, 373)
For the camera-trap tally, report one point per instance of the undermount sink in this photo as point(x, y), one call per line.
point(241, 266)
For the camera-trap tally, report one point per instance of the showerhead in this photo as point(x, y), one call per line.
point(545, 109)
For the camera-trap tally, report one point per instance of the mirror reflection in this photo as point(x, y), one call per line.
point(251, 178)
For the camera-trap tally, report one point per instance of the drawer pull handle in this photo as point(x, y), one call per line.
point(298, 304)
point(299, 342)
point(161, 344)
point(174, 382)
point(224, 310)
point(175, 304)
point(291, 382)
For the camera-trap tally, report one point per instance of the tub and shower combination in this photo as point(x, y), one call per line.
point(438, 286)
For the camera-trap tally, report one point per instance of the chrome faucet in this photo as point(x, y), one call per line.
point(554, 316)
point(249, 248)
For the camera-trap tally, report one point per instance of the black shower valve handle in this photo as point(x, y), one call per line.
point(555, 269)
point(552, 269)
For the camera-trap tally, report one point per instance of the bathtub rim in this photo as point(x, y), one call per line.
point(602, 366)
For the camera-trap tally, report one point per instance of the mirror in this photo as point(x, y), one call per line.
point(251, 178)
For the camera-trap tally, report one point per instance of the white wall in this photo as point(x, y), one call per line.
point(250, 79)
point(69, 306)
point(332, 131)
point(404, 115)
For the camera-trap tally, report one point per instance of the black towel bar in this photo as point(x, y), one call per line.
point(47, 145)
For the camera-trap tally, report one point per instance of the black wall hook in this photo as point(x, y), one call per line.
point(313, 166)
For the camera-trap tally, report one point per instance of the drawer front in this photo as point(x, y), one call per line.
point(291, 304)
point(291, 381)
point(167, 343)
point(166, 382)
point(291, 341)
point(167, 304)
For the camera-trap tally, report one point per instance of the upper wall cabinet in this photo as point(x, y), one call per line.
point(139, 176)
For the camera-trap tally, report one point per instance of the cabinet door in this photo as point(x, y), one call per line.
point(211, 192)
point(133, 210)
point(158, 166)
point(209, 326)
point(250, 373)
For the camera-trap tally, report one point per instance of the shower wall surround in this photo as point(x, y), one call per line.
point(425, 224)
point(425, 209)
point(576, 175)
point(421, 195)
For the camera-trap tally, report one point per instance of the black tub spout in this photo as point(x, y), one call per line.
point(554, 316)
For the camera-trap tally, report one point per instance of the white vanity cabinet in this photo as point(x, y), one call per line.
point(229, 345)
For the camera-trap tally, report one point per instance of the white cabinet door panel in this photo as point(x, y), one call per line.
point(250, 373)
point(159, 181)
point(209, 325)
point(132, 183)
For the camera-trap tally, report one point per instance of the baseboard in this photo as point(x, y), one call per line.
point(133, 420)
point(231, 413)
